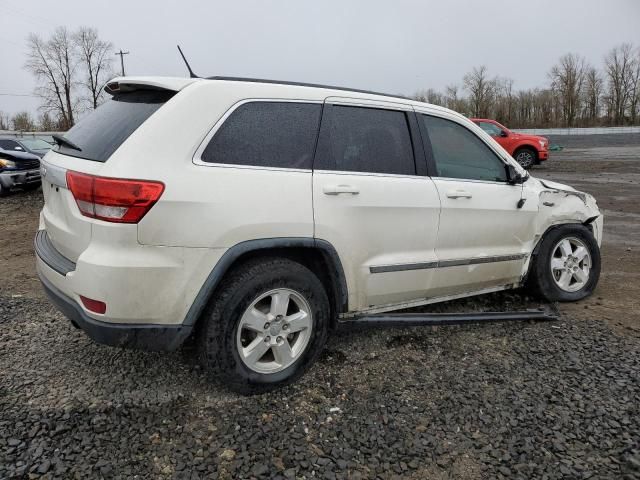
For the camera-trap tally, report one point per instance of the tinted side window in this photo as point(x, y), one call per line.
point(358, 139)
point(458, 153)
point(267, 134)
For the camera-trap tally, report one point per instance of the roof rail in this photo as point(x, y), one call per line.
point(302, 84)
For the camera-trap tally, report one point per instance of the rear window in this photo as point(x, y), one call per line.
point(35, 144)
point(100, 133)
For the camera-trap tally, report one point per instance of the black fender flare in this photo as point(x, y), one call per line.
point(232, 254)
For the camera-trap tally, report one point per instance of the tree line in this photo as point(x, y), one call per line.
point(70, 69)
point(577, 94)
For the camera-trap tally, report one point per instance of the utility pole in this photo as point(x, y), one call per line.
point(122, 54)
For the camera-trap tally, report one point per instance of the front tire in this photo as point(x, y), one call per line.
point(567, 265)
point(265, 326)
point(526, 157)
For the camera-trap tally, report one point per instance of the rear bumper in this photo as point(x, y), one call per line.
point(123, 325)
point(140, 284)
point(19, 178)
point(147, 337)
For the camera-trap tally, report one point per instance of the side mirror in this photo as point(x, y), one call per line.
point(503, 133)
point(513, 176)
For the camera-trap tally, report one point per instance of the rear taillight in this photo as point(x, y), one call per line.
point(113, 199)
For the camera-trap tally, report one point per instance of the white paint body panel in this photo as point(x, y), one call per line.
point(152, 271)
point(392, 221)
point(486, 224)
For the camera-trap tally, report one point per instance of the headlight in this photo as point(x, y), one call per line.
point(7, 163)
point(542, 143)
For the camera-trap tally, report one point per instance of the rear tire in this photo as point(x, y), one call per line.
point(248, 355)
point(567, 265)
point(526, 157)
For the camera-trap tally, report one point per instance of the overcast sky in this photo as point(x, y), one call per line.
point(391, 46)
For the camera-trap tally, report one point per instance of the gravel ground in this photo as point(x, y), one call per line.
point(531, 400)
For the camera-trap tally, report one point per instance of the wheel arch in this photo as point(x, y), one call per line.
point(526, 146)
point(534, 253)
point(317, 255)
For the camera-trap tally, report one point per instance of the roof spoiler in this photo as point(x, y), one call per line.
point(130, 84)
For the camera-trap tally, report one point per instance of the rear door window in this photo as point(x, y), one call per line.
point(267, 134)
point(368, 140)
point(100, 133)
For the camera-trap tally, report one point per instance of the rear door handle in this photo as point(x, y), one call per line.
point(459, 194)
point(338, 189)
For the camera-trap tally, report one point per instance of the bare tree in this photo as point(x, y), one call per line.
point(567, 78)
point(434, 97)
point(22, 121)
point(593, 89)
point(453, 100)
point(46, 123)
point(420, 96)
point(481, 90)
point(503, 103)
point(95, 61)
point(634, 101)
point(507, 93)
point(430, 96)
point(4, 121)
point(54, 64)
point(619, 69)
point(578, 94)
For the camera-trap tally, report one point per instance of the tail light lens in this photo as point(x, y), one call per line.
point(113, 199)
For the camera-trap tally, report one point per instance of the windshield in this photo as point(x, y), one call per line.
point(35, 144)
point(101, 133)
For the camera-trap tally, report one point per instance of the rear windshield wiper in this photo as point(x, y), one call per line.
point(60, 140)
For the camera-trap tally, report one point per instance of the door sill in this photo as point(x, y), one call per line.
point(426, 301)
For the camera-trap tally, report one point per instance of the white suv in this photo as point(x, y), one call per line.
point(255, 215)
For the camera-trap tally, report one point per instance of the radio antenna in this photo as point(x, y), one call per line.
point(191, 74)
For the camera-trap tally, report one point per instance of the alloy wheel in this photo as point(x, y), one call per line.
point(570, 264)
point(525, 159)
point(274, 331)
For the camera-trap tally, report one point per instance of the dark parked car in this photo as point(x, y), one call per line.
point(36, 146)
point(18, 169)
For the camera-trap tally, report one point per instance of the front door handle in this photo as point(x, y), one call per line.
point(458, 194)
point(338, 189)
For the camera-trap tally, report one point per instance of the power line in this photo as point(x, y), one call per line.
point(36, 18)
point(3, 39)
point(18, 95)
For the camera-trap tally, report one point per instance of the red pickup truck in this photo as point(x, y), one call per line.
point(526, 149)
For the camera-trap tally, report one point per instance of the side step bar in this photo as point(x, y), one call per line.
point(434, 319)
